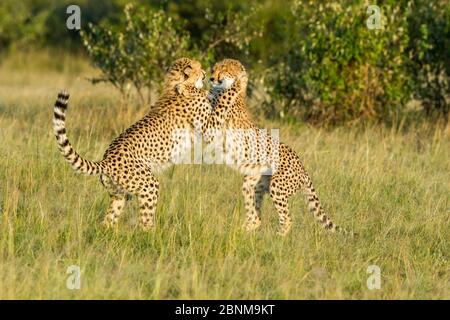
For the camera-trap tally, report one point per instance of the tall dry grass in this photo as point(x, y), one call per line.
point(389, 185)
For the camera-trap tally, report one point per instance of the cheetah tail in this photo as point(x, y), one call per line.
point(316, 209)
point(59, 128)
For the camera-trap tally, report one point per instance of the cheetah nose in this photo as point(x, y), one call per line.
point(211, 79)
point(220, 81)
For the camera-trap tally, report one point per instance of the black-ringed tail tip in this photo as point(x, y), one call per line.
point(63, 96)
point(59, 129)
point(59, 110)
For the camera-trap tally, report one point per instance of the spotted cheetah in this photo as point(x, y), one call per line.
point(131, 160)
point(267, 165)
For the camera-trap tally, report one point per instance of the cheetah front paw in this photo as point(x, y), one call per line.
point(252, 225)
point(147, 224)
point(110, 222)
point(283, 230)
point(147, 228)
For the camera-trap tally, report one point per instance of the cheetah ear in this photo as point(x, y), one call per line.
point(187, 72)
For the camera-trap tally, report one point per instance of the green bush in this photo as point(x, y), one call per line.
point(34, 24)
point(429, 49)
point(22, 23)
point(229, 34)
point(138, 51)
point(335, 69)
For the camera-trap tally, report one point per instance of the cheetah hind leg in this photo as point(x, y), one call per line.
point(115, 209)
point(253, 190)
point(116, 202)
point(148, 198)
point(145, 186)
point(280, 200)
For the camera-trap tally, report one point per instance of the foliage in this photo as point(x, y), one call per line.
point(31, 24)
point(138, 51)
point(229, 34)
point(335, 69)
point(429, 29)
point(21, 23)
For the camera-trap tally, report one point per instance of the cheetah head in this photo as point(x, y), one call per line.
point(226, 72)
point(184, 72)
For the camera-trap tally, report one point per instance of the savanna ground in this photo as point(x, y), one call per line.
point(389, 184)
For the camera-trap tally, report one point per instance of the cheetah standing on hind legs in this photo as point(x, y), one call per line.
point(268, 166)
point(129, 164)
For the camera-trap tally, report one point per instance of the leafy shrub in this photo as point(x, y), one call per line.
point(429, 29)
point(138, 51)
point(335, 69)
point(229, 34)
point(21, 23)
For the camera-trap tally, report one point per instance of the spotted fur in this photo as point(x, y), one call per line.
point(130, 162)
point(280, 173)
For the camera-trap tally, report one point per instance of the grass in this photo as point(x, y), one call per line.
point(389, 185)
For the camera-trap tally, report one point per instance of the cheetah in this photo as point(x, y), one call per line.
point(132, 159)
point(268, 165)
